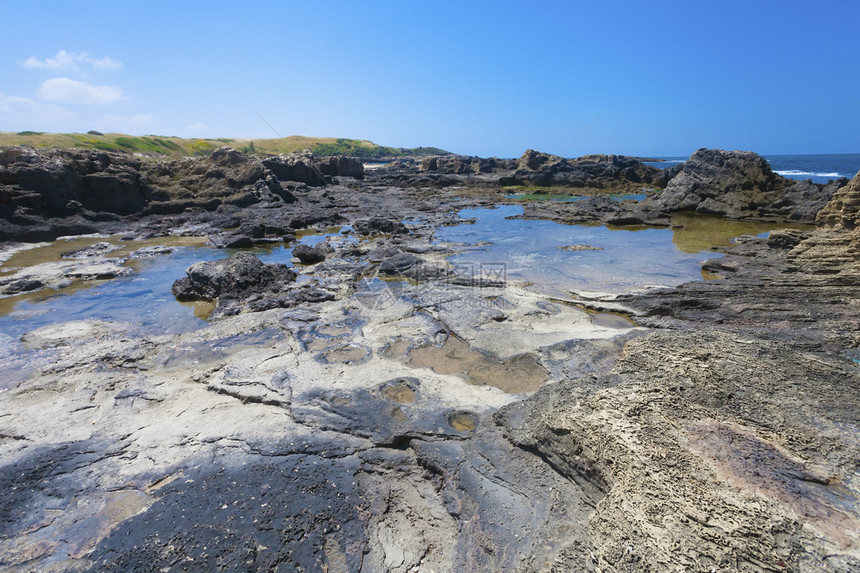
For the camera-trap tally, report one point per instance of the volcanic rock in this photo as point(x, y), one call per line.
point(740, 184)
point(239, 276)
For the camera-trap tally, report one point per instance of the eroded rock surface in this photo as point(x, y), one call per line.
point(384, 415)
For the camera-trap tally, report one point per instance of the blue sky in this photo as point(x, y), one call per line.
point(484, 78)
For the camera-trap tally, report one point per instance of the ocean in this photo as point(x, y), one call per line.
point(819, 168)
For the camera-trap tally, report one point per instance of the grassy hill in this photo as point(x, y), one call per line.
point(160, 145)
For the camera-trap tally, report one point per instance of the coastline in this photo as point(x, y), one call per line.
point(305, 429)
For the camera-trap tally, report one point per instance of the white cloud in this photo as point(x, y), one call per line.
point(18, 113)
point(67, 90)
point(72, 61)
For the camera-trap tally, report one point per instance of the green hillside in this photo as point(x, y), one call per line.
point(160, 145)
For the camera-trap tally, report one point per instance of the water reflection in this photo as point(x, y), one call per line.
point(622, 258)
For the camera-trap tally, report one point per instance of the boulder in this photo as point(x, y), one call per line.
point(399, 264)
point(311, 255)
point(239, 276)
point(379, 225)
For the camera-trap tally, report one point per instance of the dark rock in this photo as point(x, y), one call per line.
point(310, 255)
point(97, 180)
point(462, 165)
point(237, 277)
point(399, 264)
point(378, 225)
point(296, 166)
point(341, 166)
point(243, 283)
point(740, 184)
point(23, 285)
point(610, 172)
point(63, 183)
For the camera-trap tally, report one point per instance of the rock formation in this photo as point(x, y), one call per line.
point(740, 184)
point(608, 172)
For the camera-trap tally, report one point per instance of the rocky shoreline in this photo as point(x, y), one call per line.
point(383, 413)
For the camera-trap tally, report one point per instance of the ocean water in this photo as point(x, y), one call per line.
point(819, 168)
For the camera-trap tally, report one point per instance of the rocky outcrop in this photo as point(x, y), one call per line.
point(461, 164)
point(590, 171)
point(227, 177)
point(731, 184)
point(243, 282)
point(341, 166)
point(843, 210)
point(62, 182)
point(712, 450)
point(47, 193)
point(296, 166)
point(740, 184)
point(734, 416)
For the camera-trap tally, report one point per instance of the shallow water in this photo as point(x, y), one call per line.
point(622, 259)
point(522, 250)
point(694, 233)
point(516, 375)
point(142, 299)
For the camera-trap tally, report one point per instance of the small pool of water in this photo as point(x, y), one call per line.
point(142, 298)
point(558, 258)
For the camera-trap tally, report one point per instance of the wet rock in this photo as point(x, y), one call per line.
point(244, 283)
point(575, 248)
point(66, 333)
point(311, 255)
point(399, 264)
point(239, 276)
point(152, 252)
point(22, 285)
point(96, 250)
point(378, 225)
point(62, 273)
